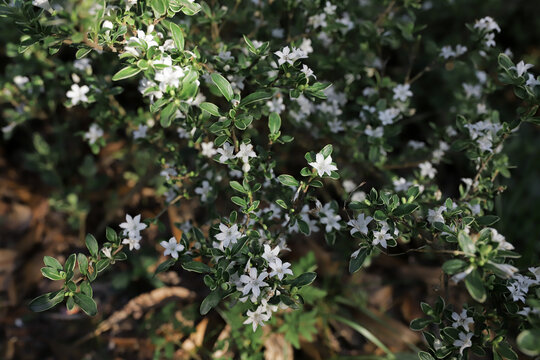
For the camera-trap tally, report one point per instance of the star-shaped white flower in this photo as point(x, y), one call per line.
point(380, 237)
point(280, 269)
point(172, 247)
point(463, 342)
point(245, 152)
point(462, 320)
point(257, 317)
point(132, 226)
point(253, 282)
point(133, 242)
point(228, 235)
point(226, 151)
point(323, 165)
point(360, 224)
point(521, 68)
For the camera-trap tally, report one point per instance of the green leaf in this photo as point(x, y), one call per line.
point(210, 108)
point(475, 286)
point(126, 73)
point(304, 227)
point(288, 180)
point(92, 245)
point(304, 279)
point(505, 350)
point(487, 220)
point(82, 260)
point(422, 355)
point(356, 262)
point(505, 62)
point(111, 235)
point(51, 273)
point(159, 7)
point(282, 203)
point(419, 324)
point(238, 201)
point(465, 243)
point(274, 122)
point(405, 209)
point(528, 343)
point(196, 266)
point(177, 35)
point(212, 300)
point(52, 262)
point(86, 303)
point(238, 187)
point(86, 288)
point(164, 266)
point(223, 85)
point(82, 52)
point(47, 301)
point(69, 266)
point(255, 97)
point(166, 115)
point(453, 266)
point(327, 150)
point(239, 245)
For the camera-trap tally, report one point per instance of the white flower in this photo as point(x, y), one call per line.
point(285, 56)
point(402, 92)
point(276, 105)
point(133, 242)
point(20, 81)
point(378, 132)
point(132, 226)
point(225, 56)
point(172, 247)
point(436, 215)
point(388, 116)
point(253, 282)
point(464, 341)
point(107, 252)
point(280, 269)
point(447, 52)
point(323, 165)
point(462, 275)
point(140, 132)
point(358, 196)
point(501, 240)
point(207, 149)
point(245, 152)
point(487, 23)
point(331, 221)
point(401, 184)
point(536, 272)
point(226, 151)
point(462, 320)
point(360, 224)
point(507, 269)
point(44, 4)
point(83, 65)
point(93, 133)
point(77, 94)
point(307, 71)
point(427, 170)
point(531, 81)
point(521, 68)
point(204, 190)
point(380, 237)
point(270, 254)
point(256, 318)
point(228, 235)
